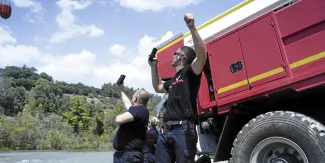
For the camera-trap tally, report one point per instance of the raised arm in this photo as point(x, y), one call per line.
point(201, 54)
point(126, 101)
point(157, 83)
point(127, 116)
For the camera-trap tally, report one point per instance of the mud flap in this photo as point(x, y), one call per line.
point(232, 126)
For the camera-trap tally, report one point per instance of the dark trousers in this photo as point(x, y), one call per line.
point(128, 157)
point(149, 157)
point(177, 144)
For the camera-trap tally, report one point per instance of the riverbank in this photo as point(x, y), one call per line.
point(4, 149)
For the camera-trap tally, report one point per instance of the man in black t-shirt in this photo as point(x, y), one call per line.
point(178, 141)
point(130, 137)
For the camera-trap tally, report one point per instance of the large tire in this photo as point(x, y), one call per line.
point(302, 137)
point(203, 159)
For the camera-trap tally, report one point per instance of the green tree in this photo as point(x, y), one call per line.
point(48, 96)
point(79, 116)
point(47, 77)
point(41, 113)
point(13, 100)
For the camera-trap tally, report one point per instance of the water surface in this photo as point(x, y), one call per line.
point(56, 157)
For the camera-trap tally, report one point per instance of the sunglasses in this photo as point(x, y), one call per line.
point(179, 54)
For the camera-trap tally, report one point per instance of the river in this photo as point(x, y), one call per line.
point(56, 157)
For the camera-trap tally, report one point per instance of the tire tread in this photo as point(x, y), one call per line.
point(315, 125)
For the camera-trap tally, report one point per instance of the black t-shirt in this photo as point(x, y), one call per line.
point(182, 92)
point(131, 136)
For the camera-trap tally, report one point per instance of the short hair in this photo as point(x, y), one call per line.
point(153, 121)
point(143, 96)
point(189, 54)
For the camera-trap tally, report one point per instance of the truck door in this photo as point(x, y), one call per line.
point(261, 51)
point(227, 65)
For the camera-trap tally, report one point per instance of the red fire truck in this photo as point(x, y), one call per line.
point(262, 93)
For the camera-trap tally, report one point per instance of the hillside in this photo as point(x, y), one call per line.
point(38, 113)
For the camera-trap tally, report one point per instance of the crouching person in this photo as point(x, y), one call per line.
point(151, 141)
point(130, 137)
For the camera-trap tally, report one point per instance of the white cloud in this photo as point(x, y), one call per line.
point(67, 22)
point(5, 35)
point(14, 55)
point(155, 5)
point(83, 66)
point(34, 6)
point(36, 9)
point(70, 67)
point(18, 55)
point(117, 50)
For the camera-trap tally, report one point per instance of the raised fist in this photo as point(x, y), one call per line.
point(189, 19)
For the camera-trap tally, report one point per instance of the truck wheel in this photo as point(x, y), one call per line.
point(203, 159)
point(280, 137)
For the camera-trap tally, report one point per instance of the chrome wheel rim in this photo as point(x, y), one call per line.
point(278, 150)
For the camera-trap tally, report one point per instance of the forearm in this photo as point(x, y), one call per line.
point(126, 101)
point(198, 44)
point(156, 81)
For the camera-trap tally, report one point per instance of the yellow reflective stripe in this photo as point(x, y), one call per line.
point(251, 80)
point(206, 24)
point(232, 86)
point(307, 60)
point(239, 6)
point(272, 72)
point(169, 45)
point(265, 75)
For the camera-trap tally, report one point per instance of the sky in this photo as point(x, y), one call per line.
point(95, 41)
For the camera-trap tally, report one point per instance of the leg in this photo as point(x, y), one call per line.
point(185, 144)
point(164, 153)
point(117, 157)
point(149, 158)
point(128, 157)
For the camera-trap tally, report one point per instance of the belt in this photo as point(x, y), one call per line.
point(170, 125)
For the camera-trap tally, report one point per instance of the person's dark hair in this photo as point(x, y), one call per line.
point(189, 54)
